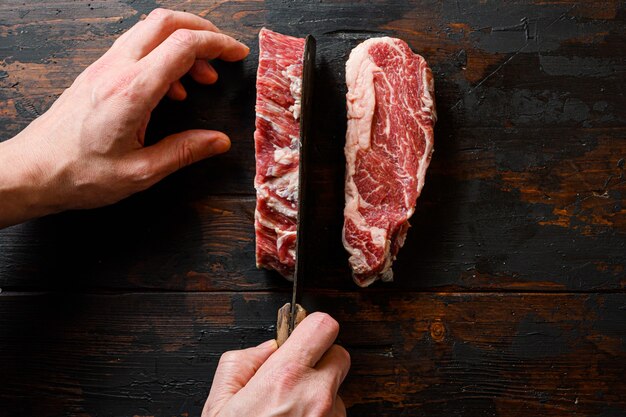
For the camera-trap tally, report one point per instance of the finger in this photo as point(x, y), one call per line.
point(177, 91)
point(176, 151)
point(176, 55)
point(340, 408)
point(310, 340)
point(146, 35)
point(203, 72)
point(234, 371)
point(333, 367)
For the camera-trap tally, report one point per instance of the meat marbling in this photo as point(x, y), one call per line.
point(389, 142)
point(278, 84)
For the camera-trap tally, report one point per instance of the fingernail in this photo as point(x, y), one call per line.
point(221, 144)
point(268, 344)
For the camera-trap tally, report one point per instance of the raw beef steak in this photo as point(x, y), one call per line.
point(278, 86)
point(389, 142)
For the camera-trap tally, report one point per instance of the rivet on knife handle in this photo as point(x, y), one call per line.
point(282, 324)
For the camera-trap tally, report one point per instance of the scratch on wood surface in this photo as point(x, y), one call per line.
point(523, 26)
point(535, 37)
point(505, 222)
point(481, 82)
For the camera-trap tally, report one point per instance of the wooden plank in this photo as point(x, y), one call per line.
point(562, 66)
point(475, 235)
point(526, 192)
point(413, 354)
point(526, 189)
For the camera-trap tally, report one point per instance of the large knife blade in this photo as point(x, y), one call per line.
point(291, 314)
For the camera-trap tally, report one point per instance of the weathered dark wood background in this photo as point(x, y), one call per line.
point(510, 295)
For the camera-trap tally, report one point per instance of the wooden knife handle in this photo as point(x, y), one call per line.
point(282, 324)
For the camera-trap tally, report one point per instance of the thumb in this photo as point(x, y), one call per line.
point(182, 149)
point(339, 408)
point(233, 372)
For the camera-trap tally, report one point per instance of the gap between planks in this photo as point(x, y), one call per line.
point(102, 291)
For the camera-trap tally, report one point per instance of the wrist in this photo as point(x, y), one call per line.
point(26, 183)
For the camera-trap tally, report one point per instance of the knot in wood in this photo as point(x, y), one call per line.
point(437, 331)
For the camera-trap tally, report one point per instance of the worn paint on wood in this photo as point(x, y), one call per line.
point(526, 192)
point(412, 353)
point(208, 245)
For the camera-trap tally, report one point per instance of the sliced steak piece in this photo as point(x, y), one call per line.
point(278, 85)
point(389, 142)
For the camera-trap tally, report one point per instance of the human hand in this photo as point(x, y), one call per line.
point(88, 149)
point(300, 379)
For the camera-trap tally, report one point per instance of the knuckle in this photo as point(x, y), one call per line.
point(185, 154)
point(161, 15)
point(121, 84)
point(288, 376)
point(223, 41)
point(231, 356)
point(142, 171)
point(324, 403)
point(323, 320)
point(97, 69)
point(221, 38)
point(101, 92)
point(183, 38)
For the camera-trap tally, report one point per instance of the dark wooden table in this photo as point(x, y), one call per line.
point(510, 294)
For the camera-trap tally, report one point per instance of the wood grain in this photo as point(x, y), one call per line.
point(526, 189)
point(125, 310)
point(455, 243)
point(412, 354)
